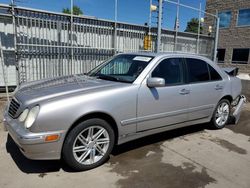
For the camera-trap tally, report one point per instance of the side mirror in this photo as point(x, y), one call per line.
point(155, 82)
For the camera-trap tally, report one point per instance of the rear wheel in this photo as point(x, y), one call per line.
point(221, 114)
point(88, 145)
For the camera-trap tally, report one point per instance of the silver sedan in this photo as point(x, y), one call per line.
point(81, 117)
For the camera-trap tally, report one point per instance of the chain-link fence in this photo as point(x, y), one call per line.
point(39, 44)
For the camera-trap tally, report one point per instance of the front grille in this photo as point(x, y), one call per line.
point(13, 108)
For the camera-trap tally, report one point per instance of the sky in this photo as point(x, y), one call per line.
point(131, 11)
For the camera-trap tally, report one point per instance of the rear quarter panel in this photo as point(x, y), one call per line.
point(236, 86)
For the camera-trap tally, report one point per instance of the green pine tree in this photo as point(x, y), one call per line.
point(76, 10)
point(192, 26)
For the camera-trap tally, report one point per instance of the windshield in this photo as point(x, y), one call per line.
point(122, 68)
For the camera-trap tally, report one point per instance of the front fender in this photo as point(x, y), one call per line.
point(119, 103)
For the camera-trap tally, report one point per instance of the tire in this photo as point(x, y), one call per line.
point(84, 149)
point(221, 114)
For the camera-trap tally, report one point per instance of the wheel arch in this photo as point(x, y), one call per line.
point(228, 97)
point(100, 115)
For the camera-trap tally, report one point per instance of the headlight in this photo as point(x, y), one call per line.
point(31, 117)
point(23, 116)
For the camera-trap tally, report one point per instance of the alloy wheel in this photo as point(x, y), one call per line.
point(222, 114)
point(91, 145)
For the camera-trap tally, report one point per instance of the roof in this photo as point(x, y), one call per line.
point(164, 53)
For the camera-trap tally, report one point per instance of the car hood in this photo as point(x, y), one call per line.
point(50, 88)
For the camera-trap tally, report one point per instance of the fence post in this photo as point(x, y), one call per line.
point(216, 37)
point(176, 26)
point(158, 48)
point(15, 41)
point(199, 30)
point(150, 18)
point(115, 27)
point(72, 30)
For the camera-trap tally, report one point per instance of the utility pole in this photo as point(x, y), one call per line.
point(158, 48)
point(216, 36)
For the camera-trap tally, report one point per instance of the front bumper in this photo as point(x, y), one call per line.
point(33, 145)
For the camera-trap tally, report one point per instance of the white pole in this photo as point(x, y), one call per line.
point(176, 22)
point(158, 49)
point(199, 30)
point(15, 42)
point(115, 27)
point(150, 18)
point(216, 37)
point(72, 30)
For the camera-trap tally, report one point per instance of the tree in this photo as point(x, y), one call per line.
point(192, 26)
point(76, 10)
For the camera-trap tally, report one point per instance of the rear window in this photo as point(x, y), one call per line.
point(214, 75)
point(197, 70)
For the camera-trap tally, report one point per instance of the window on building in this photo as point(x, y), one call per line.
point(221, 55)
point(244, 17)
point(197, 70)
point(240, 56)
point(225, 19)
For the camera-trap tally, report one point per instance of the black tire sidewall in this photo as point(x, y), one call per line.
point(215, 125)
point(67, 153)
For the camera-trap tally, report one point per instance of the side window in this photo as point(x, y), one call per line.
point(171, 70)
point(214, 75)
point(197, 70)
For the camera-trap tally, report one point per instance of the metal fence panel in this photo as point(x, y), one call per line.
point(49, 45)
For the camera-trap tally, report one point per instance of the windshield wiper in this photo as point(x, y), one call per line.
point(111, 78)
point(106, 77)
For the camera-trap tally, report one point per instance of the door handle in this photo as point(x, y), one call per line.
point(184, 91)
point(218, 87)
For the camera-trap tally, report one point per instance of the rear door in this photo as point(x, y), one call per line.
point(206, 87)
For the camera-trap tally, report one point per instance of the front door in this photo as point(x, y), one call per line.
point(163, 106)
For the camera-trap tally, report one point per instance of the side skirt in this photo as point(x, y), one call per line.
point(134, 136)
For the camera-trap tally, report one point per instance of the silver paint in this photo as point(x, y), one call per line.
point(136, 109)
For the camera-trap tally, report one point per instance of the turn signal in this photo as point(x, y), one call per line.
point(51, 138)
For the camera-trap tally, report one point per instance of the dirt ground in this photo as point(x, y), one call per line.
point(190, 157)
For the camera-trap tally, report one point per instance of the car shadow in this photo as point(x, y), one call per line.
point(33, 166)
point(159, 137)
point(47, 166)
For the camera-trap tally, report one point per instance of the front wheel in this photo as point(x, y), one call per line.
point(88, 145)
point(221, 114)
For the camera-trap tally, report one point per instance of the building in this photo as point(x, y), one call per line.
point(234, 32)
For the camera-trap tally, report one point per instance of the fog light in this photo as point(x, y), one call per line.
point(50, 138)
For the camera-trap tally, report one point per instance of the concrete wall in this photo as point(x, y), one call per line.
point(246, 88)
